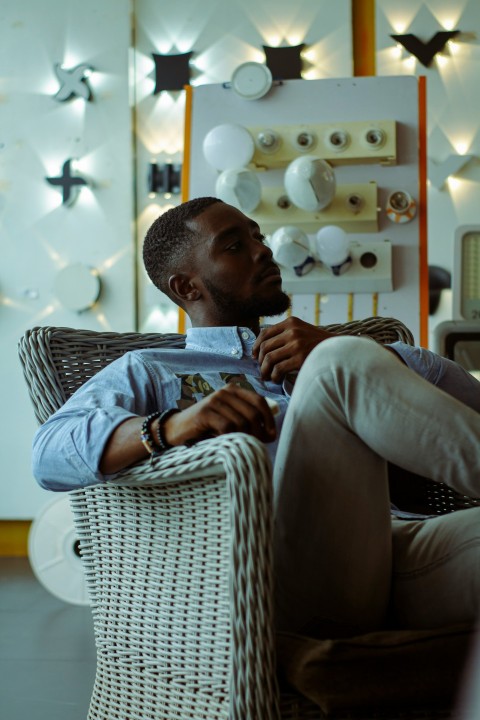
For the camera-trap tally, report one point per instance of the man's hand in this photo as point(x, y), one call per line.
point(283, 348)
point(230, 409)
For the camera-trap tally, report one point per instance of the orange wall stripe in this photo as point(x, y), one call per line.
point(422, 209)
point(363, 37)
point(185, 189)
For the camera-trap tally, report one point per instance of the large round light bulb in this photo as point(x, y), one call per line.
point(228, 146)
point(240, 188)
point(332, 245)
point(310, 183)
point(291, 248)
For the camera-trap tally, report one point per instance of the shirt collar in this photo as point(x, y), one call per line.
point(232, 341)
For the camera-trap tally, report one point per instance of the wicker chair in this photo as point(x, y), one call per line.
point(177, 555)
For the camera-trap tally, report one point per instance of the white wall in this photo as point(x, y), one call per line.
point(39, 237)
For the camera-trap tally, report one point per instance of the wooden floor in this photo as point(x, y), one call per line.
point(47, 652)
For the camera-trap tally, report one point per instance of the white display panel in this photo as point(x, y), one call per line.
point(337, 104)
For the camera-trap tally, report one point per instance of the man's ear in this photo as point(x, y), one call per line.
point(184, 288)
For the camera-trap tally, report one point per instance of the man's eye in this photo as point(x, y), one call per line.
point(261, 237)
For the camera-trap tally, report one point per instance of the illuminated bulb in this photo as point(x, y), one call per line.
point(228, 146)
point(291, 248)
point(240, 188)
point(332, 247)
point(310, 183)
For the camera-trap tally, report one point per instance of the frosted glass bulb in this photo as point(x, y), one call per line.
point(228, 146)
point(290, 246)
point(332, 245)
point(240, 188)
point(310, 183)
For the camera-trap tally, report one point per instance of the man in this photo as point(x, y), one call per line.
point(343, 564)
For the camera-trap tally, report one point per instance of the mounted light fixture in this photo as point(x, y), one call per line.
point(172, 72)
point(310, 183)
point(164, 178)
point(69, 183)
point(73, 82)
point(239, 187)
point(228, 146)
point(285, 63)
point(425, 52)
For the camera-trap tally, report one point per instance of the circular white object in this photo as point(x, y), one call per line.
point(252, 80)
point(228, 146)
point(332, 245)
point(310, 183)
point(240, 188)
point(290, 246)
point(53, 552)
point(77, 287)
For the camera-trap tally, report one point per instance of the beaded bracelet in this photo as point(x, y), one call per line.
point(146, 435)
point(162, 417)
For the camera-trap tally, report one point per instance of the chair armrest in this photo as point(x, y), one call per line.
point(177, 479)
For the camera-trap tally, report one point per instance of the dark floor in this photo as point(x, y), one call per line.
point(47, 652)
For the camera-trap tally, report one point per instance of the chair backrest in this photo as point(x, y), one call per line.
point(58, 360)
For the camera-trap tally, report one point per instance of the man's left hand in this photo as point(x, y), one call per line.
point(282, 348)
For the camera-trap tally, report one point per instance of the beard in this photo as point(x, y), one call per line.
point(255, 306)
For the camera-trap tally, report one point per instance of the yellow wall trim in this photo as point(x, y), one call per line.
point(363, 22)
point(14, 538)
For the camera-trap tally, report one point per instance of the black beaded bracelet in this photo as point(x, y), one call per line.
point(162, 417)
point(146, 435)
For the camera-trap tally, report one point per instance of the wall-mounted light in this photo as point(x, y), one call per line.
point(310, 183)
point(239, 187)
point(77, 287)
point(291, 249)
point(70, 184)
point(425, 52)
point(172, 72)
point(164, 178)
point(285, 63)
point(228, 146)
point(438, 173)
point(332, 246)
point(401, 207)
point(251, 80)
point(73, 82)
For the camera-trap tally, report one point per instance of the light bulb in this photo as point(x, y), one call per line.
point(310, 183)
point(332, 247)
point(228, 146)
point(240, 188)
point(291, 248)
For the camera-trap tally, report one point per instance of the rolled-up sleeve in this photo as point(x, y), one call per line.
point(68, 447)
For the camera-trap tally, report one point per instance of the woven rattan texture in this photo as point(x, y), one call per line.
point(177, 554)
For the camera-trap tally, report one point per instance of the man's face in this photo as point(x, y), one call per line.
point(238, 278)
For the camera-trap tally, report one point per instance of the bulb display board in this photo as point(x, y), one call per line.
point(334, 154)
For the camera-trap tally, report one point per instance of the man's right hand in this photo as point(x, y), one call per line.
point(230, 409)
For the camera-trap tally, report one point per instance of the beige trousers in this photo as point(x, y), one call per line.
point(342, 563)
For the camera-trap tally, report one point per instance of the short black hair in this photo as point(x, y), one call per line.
point(169, 239)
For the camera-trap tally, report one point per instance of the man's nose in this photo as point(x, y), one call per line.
point(262, 251)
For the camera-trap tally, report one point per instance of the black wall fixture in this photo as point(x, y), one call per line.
point(164, 178)
point(285, 63)
point(73, 82)
point(425, 52)
point(69, 183)
point(172, 72)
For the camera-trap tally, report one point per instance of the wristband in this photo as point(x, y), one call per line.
point(145, 434)
point(162, 443)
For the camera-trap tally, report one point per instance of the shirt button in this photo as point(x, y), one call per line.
point(234, 351)
point(245, 335)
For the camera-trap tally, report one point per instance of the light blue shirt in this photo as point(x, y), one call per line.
point(68, 448)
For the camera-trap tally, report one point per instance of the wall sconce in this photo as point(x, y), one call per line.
point(77, 287)
point(425, 52)
point(73, 83)
point(285, 63)
point(164, 178)
point(438, 173)
point(172, 72)
point(69, 183)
